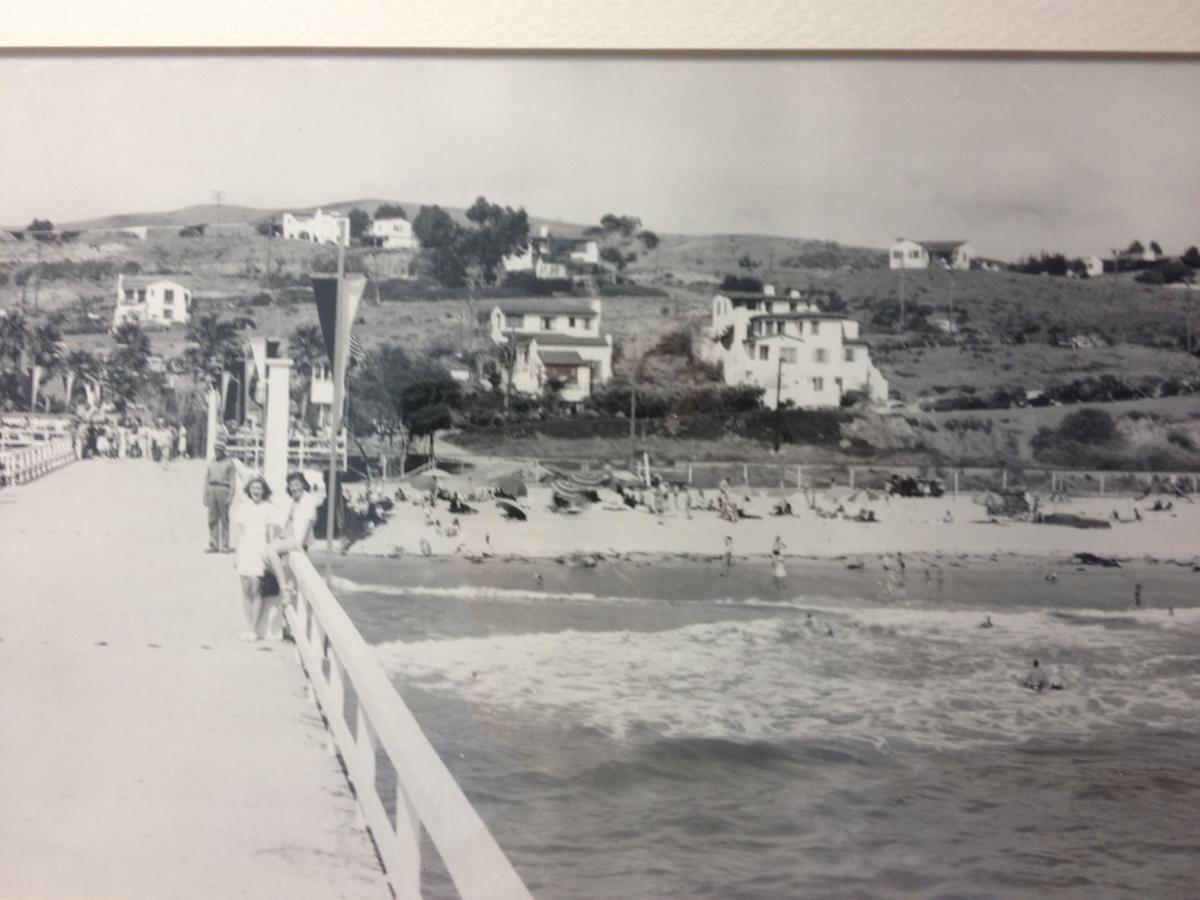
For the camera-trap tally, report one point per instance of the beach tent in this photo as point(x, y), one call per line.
point(1008, 504)
point(445, 480)
point(574, 494)
point(510, 485)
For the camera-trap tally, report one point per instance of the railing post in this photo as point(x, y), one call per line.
point(956, 481)
point(407, 882)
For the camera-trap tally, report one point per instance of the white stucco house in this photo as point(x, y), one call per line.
point(151, 299)
point(552, 257)
point(556, 340)
point(394, 234)
point(320, 227)
point(910, 254)
point(788, 347)
point(1095, 266)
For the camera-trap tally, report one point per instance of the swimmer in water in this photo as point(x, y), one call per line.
point(987, 622)
point(1056, 682)
point(538, 579)
point(1137, 596)
point(1035, 678)
point(1052, 577)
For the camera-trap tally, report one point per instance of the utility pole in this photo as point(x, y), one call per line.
point(902, 296)
point(37, 273)
point(950, 303)
point(218, 196)
point(779, 400)
point(633, 421)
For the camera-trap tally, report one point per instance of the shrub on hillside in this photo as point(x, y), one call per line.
point(742, 283)
point(676, 343)
point(797, 426)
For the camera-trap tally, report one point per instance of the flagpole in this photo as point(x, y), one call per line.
point(335, 415)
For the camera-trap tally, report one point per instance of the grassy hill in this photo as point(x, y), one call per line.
point(709, 257)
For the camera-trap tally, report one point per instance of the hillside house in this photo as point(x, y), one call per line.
point(1094, 266)
point(394, 234)
point(788, 347)
point(560, 258)
point(556, 341)
point(151, 300)
point(320, 228)
point(909, 254)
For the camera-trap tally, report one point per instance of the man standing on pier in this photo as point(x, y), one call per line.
point(219, 481)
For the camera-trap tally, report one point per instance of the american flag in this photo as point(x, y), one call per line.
point(356, 349)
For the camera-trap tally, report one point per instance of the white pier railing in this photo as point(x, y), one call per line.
point(368, 720)
point(22, 464)
point(303, 450)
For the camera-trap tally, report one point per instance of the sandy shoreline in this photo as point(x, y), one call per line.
point(947, 527)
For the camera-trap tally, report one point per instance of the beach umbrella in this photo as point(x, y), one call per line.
point(511, 510)
point(589, 479)
point(424, 481)
point(511, 485)
point(625, 478)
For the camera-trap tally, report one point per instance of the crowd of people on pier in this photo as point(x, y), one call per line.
point(120, 438)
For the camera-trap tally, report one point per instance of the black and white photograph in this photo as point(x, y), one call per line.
point(598, 476)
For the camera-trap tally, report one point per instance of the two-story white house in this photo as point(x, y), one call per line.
point(151, 299)
point(788, 347)
point(320, 227)
point(394, 234)
point(556, 340)
point(909, 254)
point(550, 257)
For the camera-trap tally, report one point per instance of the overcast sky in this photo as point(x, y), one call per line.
point(1015, 155)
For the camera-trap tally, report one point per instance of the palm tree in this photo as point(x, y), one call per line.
point(214, 346)
point(14, 332)
point(45, 351)
point(125, 370)
point(81, 367)
point(306, 347)
point(507, 355)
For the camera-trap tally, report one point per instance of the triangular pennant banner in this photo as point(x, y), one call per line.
point(325, 292)
point(258, 348)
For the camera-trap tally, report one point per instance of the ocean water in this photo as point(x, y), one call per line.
point(676, 731)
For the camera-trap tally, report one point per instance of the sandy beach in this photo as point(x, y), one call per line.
point(949, 525)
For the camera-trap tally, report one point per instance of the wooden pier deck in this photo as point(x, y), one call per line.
point(145, 751)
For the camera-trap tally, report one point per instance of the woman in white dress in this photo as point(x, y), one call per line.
point(306, 492)
point(255, 526)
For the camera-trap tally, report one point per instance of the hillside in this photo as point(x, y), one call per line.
point(691, 258)
point(231, 213)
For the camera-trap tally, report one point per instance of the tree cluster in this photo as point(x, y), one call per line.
point(494, 232)
point(402, 393)
point(1052, 264)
